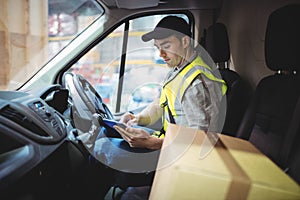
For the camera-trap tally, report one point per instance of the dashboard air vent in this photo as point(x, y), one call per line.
point(19, 118)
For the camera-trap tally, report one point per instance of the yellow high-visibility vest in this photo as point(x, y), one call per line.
point(173, 90)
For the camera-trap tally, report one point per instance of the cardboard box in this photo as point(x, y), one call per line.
point(191, 166)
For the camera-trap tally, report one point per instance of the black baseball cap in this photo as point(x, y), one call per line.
point(168, 26)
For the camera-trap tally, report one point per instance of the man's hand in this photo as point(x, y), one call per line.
point(139, 138)
point(129, 119)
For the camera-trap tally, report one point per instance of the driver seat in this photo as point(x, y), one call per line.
point(238, 92)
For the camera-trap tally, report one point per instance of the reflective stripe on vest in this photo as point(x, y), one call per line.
point(174, 89)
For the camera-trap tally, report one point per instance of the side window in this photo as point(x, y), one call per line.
point(142, 71)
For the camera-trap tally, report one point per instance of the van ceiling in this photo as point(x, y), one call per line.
point(69, 7)
point(136, 4)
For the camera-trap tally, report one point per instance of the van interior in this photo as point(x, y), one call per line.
point(254, 45)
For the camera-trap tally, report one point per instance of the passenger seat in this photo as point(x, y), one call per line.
point(238, 92)
point(268, 121)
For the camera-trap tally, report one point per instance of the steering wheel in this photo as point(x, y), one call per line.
point(86, 100)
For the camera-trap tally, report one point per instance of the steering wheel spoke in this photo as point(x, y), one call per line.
point(86, 100)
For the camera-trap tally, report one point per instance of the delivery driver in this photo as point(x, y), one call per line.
point(191, 93)
point(191, 96)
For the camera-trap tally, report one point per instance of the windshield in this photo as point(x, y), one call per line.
point(51, 25)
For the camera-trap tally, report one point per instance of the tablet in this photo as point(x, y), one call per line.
point(111, 123)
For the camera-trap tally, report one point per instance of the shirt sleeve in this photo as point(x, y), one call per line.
point(198, 104)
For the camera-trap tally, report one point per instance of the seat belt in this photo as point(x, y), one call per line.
point(172, 120)
point(290, 137)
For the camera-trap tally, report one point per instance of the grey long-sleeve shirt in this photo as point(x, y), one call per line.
point(200, 103)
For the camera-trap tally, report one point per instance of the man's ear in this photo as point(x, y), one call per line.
point(185, 41)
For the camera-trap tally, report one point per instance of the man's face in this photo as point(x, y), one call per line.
point(171, 50)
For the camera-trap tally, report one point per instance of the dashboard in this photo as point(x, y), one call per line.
point(37, 147)
point(32, 117)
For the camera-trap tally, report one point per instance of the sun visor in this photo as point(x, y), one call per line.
point(135, 4)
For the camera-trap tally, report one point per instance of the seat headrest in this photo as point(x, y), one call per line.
point(282, 39)
point(216, 43)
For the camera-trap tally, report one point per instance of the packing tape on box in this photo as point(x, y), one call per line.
point(241, 183)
